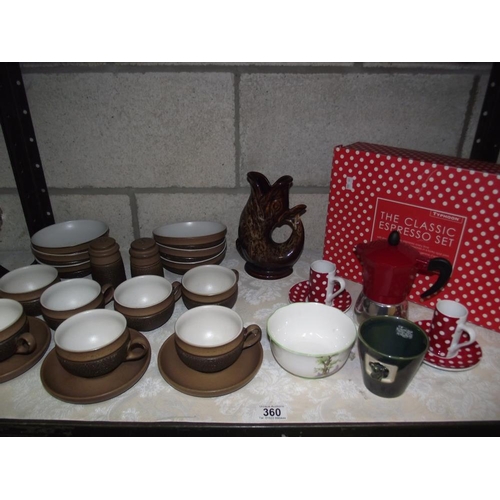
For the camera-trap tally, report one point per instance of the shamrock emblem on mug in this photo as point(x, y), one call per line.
point(379, 371)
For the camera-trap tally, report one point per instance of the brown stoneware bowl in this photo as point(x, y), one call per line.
point(194, 234)
point(210, 284)
point(93, 343)
point(70, 297)
point(78, 270)
point(59, 259)
point(66, 274)
point(68, 267)
point(187, 254)
point(147, 301)
point(68, 237)
point(211, 338)
point(15, 337)
point(183, 267)
point(26, 285)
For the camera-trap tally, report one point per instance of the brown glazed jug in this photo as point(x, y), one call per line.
point(266, 210)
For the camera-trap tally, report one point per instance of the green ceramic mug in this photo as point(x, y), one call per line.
point(391, 350)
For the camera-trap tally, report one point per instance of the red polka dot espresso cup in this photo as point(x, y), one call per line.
point(448, 332)
point(322, 280)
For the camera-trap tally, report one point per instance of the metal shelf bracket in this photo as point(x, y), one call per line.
point(22, 148)
point(487, 140)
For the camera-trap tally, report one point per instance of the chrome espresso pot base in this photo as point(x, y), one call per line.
point(366, 308)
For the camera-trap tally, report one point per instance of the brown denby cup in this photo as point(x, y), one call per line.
point(210, 284)
point(67, 298)
point(147, 302)
point(211, 338)
point(14, 335)
point(26, 284)
point(93, 343)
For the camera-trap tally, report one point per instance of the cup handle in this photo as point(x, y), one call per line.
point(237, 274)
point(137, 349)
point(252, 335)
point(177, 289)
point(108, 291)
point(331, 296)
point(455, 346)
point(26, 343)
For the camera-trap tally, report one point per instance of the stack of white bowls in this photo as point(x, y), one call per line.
point(65, 246)
point(185, 245)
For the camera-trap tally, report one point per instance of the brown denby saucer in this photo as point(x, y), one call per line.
point(79, 390)
point(206, 385)
point(20, 363)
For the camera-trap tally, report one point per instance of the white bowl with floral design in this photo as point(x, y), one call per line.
point(310, 339)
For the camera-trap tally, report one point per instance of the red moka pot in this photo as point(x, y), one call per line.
point(389, 268)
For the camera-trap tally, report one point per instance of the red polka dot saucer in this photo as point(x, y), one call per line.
point(466, 358)
point(300, 292)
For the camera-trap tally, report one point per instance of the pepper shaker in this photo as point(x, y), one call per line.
point(106, 262)
point(145, 258)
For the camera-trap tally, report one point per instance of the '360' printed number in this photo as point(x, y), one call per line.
point(272, 412)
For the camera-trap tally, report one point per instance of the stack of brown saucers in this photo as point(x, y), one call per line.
point(185, 245)
point(65, 246)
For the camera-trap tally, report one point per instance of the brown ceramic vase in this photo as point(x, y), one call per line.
point(266, 210)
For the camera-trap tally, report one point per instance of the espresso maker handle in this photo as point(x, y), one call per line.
point(444, 268)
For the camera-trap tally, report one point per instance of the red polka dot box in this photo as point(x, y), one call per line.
point(443, 206)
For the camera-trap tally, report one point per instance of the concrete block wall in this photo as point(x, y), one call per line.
point(141, 145)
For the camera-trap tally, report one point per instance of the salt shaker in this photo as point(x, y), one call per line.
point(106, 262)
point(145, 258)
